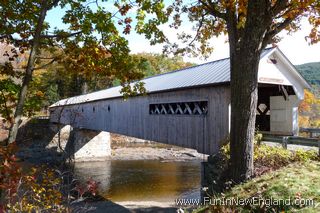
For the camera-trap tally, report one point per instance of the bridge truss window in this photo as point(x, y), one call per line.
point(180, 108)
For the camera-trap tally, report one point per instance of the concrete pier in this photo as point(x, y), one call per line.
point(81, 144)
point(91, 145)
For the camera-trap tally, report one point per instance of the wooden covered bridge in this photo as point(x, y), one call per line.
point(189, 107)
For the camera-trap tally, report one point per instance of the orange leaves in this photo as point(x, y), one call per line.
point(40, 94)
point(304, 121)
point(314, 20)
point(242, 7)
point(10, 171)
point(128, 20)
point(309, 99)
point(193, 9)
point(228, 4)
point(314, 35)
point(127, 29)
point(240, 10)
point(87, 59)
point(309, 111)
point(29, 191)
point(124, 9)
point(274, 17)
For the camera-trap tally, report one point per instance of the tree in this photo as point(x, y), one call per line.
point(251, 25)
point(155, 63)
point(64, 82)
point(10, 79)
point(89, 42)
point(309, 111)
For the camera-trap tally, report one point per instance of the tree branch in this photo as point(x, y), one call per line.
point(233, 33)
point(92, 2)
point(271, 33)
point(62, 35)
point(53, 4)
point(14, 40)
point(45, 58)
point(45, 65)
point(198, 30)
point(212, 9)
point(279, 6)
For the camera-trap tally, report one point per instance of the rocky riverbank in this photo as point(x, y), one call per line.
point(153, 151)
point(129, 148)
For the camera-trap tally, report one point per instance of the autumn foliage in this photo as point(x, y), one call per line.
point(37, 189)
point(309, 111)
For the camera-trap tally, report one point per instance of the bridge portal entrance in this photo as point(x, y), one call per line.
point(276, 109)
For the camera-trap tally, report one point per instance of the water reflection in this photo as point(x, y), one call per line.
point(98, 171)
point(143, 180)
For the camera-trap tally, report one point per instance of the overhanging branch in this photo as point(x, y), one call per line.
point(273, 32)
point(64, 35)
point(53, 4)
point(45, 65)
point(233, 32)
point(279, 6)
point(198, 30)
point(212, 9)
point(15, 40)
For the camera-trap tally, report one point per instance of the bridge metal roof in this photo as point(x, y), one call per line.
point(210, 73)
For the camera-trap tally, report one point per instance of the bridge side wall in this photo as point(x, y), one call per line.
point(132, 118)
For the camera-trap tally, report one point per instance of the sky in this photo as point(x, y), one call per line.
point(294, 46)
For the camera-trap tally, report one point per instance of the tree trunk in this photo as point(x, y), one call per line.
point(244, 94)
point(246, 45)
point(85, 88)
point(28, 75)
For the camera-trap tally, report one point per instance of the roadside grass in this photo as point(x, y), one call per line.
point(298, 182)
point(280, 175)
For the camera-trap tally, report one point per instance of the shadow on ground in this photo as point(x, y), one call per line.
point(34, 136)
point(41, 142)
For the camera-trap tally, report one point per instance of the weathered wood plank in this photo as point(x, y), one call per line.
point(132, 118)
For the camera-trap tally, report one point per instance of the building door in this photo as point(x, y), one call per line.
point(284, 114)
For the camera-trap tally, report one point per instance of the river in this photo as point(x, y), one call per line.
point(143, 180)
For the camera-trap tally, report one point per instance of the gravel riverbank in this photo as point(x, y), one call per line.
point(154, 151)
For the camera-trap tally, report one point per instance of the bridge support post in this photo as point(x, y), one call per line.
point(89, 145)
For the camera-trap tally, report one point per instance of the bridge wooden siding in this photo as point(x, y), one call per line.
point(205, 133)
point(205, 88)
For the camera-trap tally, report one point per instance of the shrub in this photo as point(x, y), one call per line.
point(40, 189)
point(267, 158)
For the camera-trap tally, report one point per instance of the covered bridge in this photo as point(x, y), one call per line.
point(190, 107)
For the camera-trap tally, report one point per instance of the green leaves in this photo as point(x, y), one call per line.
point(89, 47)
point(8, 90)
point(153, 64)
point(8, 96)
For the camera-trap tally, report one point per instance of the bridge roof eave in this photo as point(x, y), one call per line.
point(80, 100)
